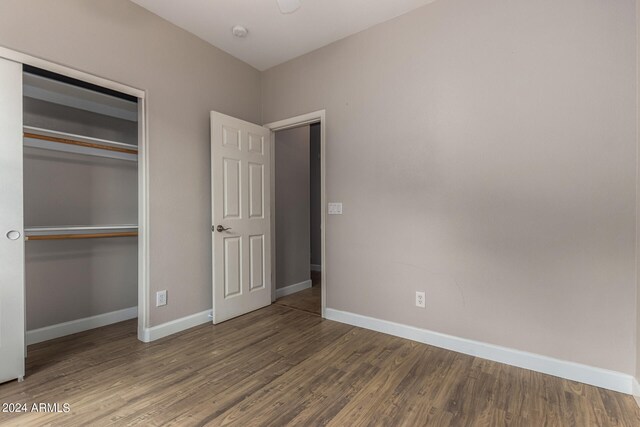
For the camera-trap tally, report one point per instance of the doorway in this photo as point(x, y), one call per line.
point(298, 216)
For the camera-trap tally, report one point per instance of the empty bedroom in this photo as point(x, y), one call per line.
point(319, 212)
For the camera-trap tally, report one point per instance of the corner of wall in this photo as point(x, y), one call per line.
point(261, 97)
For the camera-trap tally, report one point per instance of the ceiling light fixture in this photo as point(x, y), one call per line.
point(288, 6)
point(239, 31)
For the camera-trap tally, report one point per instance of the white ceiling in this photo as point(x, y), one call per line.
point(273, 37)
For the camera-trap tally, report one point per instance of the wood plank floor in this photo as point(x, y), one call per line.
point(306, 300)
point(281, 366)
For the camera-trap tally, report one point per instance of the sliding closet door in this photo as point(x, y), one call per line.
point(11, 224)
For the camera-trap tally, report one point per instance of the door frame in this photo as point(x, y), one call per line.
point(292, 122)
point(143, 168)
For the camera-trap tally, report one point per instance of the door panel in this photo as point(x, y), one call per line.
point(231, 137)
point(256, 190)
point(12, 326)
point(240, 197)
point(256, 143)
point(256, 254)
point(232, 187)
point(232, 266)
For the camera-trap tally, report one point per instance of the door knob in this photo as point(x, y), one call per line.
point(221, 228)
point(13, 235)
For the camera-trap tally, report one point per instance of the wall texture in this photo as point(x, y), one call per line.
point(315, 194)
point(293, 243)
point(184, 78)
point(485, 152)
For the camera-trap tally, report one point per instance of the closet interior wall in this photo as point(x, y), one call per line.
point(72, 279)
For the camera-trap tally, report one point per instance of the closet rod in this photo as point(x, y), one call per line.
point(80, 143)
point(82, 228)
point(82, 236)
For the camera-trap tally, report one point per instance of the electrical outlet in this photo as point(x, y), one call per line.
point(161, 298)
point(420, 300)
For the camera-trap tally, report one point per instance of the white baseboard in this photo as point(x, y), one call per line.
point(292, 289)
point(316, 267)
point(160, 331)
point(74, 326)
point(599, 377)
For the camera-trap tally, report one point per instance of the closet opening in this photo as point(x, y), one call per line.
point(81, 186)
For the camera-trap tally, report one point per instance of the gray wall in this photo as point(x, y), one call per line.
point(292, 206)
point(485, 152)
point(315, 194)
point(74, 279)
point(184, 78)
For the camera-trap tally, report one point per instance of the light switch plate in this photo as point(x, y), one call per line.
point(335, 208)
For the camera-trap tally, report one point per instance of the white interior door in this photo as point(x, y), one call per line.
point(12, 324)
point(241, 233)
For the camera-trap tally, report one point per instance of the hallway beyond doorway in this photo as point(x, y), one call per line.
point(306, 300)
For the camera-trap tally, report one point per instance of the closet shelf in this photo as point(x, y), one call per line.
point(80, 232)
point(69, 95)
point(61, 141)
